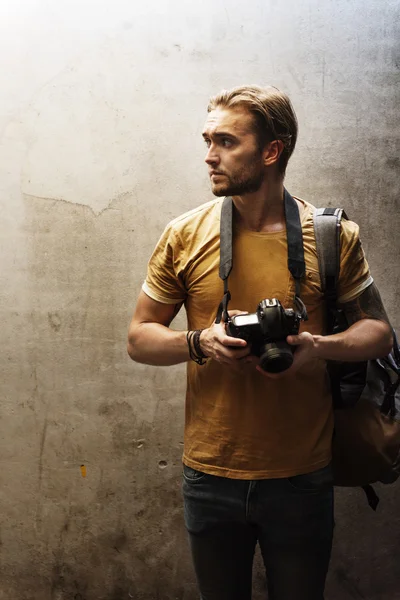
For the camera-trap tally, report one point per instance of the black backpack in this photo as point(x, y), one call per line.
point(366, 395)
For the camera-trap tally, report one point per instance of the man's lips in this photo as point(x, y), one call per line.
point(216, 174)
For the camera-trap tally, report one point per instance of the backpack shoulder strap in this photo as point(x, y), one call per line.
point(327, 223)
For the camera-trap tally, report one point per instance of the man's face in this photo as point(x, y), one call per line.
point(234, 160)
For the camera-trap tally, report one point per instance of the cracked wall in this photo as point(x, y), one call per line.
point(101, 112)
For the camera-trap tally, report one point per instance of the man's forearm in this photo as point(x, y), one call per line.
point(364, 340)
point(155, 344)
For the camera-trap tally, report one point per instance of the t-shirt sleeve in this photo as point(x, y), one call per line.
point(163, 282)
point(354, 275)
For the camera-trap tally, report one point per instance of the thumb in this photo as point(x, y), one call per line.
point(235, 311)
point(299, 340)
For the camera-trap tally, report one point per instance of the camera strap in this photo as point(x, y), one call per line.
point(296, 264)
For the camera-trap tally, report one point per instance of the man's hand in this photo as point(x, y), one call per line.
point(219, 346)
point(305, 351)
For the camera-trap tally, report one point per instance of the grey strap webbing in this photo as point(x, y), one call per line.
point(327, 237)
point(225, 264)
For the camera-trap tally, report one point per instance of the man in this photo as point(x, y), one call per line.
point(257, 445)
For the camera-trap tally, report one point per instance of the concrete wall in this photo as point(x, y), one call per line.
point(101, 108)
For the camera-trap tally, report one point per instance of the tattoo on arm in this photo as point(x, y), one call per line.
point(367, 306)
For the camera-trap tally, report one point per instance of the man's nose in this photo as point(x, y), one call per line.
point(211, 157)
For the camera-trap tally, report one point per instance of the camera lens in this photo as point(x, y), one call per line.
point(276, 357)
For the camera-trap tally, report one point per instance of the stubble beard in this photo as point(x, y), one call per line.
point(240, 184)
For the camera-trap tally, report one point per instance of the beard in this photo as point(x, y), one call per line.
point(247, 181)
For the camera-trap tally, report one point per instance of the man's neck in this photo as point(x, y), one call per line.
point(263, 210)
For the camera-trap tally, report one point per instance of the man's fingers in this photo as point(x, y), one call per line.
point(224, 348)
point(227, 340)
point(233, 342)
point(234, 312)
point(295, 340)
point(234, 353)
point(230, 355)
point(301, 339)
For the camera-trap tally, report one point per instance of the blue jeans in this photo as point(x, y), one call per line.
point(291, 519)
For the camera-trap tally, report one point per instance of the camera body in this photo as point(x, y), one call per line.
point(266, 331)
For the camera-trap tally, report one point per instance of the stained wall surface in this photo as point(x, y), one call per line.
point(101, 109)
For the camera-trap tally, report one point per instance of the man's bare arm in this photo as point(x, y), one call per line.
point(367, 306)
point(152, 342)
point(368, 336)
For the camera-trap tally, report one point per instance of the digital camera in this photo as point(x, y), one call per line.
point(266, 331)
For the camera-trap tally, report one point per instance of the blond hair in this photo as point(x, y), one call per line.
point(273, 113)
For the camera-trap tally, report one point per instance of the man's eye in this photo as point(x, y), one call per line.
point(207, 142)
point(226, 142)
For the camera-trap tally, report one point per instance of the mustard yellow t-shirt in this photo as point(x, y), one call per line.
point(243, 425)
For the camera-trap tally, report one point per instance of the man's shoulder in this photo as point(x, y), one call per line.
point(203, 215)
point(304, 203)
point(307, 212)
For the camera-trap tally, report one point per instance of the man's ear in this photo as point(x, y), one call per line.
point(272, 152)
